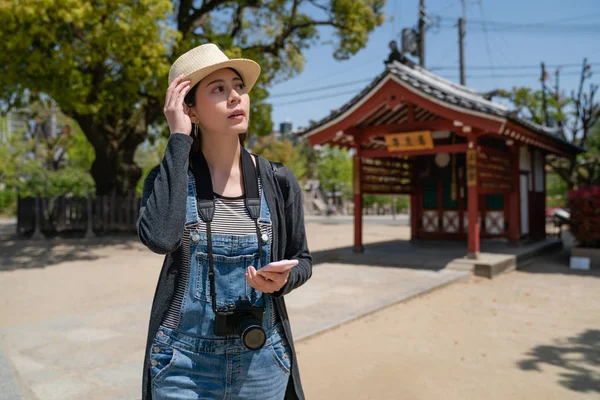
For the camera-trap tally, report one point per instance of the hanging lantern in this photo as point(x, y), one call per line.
point(442, 160)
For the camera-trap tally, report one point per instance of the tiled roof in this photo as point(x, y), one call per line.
point(448, 92)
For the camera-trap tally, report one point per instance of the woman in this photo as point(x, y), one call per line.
point(234, 241)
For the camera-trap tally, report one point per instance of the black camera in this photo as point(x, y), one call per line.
point(243, 319)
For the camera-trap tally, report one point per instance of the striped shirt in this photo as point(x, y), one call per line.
point(231, 218)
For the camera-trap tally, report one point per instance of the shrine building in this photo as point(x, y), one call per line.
point(473, 169)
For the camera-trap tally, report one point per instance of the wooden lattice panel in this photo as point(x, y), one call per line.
point(387, 176)
point(494, 222)
point(430, 221)
point(450, 221)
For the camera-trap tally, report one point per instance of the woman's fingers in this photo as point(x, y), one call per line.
point(175, 111)
point(170, 89)
point(260, 283)
point(273, 276)
point(178, 95)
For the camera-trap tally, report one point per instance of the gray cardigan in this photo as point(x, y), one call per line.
point(161, 223)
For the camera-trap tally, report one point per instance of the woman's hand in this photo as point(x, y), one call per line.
point(271, 277)
point(175, 110)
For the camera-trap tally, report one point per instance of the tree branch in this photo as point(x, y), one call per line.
point(279, 42)
point(189, 23)
point(578, 101)
point(589, 117)
point(322, 7)
point(237, 21)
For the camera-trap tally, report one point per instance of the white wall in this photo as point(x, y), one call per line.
point(525, 162)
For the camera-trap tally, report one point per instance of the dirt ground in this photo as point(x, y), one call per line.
point(530, 334)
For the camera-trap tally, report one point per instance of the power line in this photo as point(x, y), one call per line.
point(329, 96)
point(508, 27)
point(316, 98)
point(436, 69)
point(547, 22)
point(317, 89)
point(508, 67)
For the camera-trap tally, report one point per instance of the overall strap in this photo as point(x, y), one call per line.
point(206, 204)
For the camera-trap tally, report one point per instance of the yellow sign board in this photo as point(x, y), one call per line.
point(471, 167)
point(420, 140)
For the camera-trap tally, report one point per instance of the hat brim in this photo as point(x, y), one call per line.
point(248, 69)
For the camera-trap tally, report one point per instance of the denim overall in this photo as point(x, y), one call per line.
point(191, 362)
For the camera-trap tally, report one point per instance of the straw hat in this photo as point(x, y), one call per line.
point(208, 58)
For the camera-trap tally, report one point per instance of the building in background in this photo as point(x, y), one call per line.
point(11, 124)
point(471, 167)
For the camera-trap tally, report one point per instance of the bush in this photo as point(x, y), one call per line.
point(8, 202)
point(584, 204)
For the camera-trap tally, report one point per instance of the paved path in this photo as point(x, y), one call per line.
point(74, 313)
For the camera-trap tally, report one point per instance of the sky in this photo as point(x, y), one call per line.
point(506, 40)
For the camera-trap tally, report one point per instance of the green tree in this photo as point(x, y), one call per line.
point(50, 156)
point(148, 156)
point(283, 151)
point(334, 170)
point(575, 116)
point(105, 62)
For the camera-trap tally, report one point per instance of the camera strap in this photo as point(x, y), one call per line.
point(205, 199)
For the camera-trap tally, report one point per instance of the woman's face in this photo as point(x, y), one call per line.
point(222, 104)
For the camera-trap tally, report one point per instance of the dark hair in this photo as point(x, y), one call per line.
point(190, 101)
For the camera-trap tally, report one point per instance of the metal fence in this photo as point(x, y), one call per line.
point(39, 217)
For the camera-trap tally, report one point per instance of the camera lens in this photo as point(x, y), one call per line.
point(252, 333)
point(254, 338)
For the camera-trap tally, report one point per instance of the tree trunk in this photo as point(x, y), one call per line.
point(114, 170)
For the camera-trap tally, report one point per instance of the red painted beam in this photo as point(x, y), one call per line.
point(378, 130)
point(540, 141)
point(386, 92)
point(467, 117)
point(450, 148)
point(395, 92)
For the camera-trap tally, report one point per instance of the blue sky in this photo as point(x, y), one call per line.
point(567, 31)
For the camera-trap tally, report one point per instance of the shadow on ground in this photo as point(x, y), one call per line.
point(578, 356)
point(430, 254)
point(557, 262)
point(27, 254)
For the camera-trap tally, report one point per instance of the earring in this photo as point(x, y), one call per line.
point(196, 130)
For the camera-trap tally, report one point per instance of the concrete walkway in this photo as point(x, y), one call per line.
point(98, 355)
point(74, 314)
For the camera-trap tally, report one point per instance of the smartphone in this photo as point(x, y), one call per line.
point(280, 266)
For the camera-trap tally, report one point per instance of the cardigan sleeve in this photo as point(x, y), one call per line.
point(296, 244)
point(162, 212)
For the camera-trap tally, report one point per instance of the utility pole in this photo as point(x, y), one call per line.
point(422, 33)
point(557, 94)
point(461, 43)
point(461, 50)
point(544, 103)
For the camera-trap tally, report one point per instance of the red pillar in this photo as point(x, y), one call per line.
point(543, 154)
point(514, 206)
point(473, 201)
point(358, 203)
point(414, 215)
